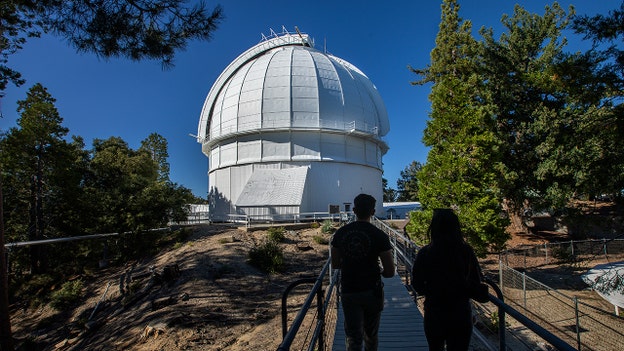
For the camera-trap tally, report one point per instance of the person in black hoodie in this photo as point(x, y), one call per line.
point(442, 272)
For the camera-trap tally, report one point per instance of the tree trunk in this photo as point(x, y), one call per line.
point(6, 337)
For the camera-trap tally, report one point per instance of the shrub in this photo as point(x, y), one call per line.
point(69, 293)
point(276, 234)
point(320, 239)
point(269, 257)
point(314, 225)
point(34, 289)
point(328, 227)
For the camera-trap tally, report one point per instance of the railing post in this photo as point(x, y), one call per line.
point(321, 313)
point(578, 326)
point(501, 314)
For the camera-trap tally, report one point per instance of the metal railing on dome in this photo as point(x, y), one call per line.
point(219, 132)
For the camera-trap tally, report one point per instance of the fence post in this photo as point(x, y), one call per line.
point(524, 289)
point(525, 251)
point(604, 245)
point(500, 273)
point(578, 327)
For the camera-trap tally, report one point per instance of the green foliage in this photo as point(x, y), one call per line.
point(142, 30)
point(277, 234)
point(156, 146)
point(389, 194)
point(494, 321)
point(268, 257)
point(315, 225)
point(42, 173)
point(69, 293)
point(464, 164)
point(320, 239)
point(35, 288)
point(54, 188)
point(418, 226)
point(327, 227)
point(407, 185)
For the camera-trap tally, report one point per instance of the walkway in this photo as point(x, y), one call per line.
point(401, 321)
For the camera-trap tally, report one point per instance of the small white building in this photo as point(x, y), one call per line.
point(289, 129)
point(400, 210)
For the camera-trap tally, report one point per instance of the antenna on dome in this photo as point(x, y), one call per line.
point(304, 41)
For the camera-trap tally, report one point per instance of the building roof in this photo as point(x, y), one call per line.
point(284, 83)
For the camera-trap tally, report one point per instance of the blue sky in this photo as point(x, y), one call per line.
point(102, 98)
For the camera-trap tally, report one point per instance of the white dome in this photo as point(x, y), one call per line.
point(290, 130)
point(285, 83)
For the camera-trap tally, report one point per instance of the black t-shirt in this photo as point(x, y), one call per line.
point(360, 244)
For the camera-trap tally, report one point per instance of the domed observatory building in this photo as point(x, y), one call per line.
point(290, 130)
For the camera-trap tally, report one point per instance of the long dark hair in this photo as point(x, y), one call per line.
point(445, 230)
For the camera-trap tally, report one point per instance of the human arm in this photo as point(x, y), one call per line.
point(387, 261)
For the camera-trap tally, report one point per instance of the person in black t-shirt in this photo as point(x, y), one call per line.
point(356, 249)
point(441, 272)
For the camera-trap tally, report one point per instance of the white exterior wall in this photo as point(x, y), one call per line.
point(334, 183)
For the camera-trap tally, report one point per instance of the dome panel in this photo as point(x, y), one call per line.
point(345, 97)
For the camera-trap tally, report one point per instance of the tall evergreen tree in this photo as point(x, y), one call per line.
point(156, 145)
point(407, 185)
point(40, 172)
point(528, 103)
point(389, 194)
point(463, 165)
point(598, 76)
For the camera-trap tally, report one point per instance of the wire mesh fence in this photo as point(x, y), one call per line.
point(580, 253)
point(573, 320)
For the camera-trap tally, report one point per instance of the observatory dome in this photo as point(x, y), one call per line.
point(283, 114)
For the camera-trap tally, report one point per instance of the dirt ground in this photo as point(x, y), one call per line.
point(218, 301)
point(213, 300)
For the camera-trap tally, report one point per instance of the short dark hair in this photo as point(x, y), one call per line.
point(363, 205)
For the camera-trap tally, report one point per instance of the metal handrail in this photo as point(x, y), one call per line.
point(498, 300)
point(404, 251)
point(289, 335)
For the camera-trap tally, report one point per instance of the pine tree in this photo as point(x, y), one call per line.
point(463, 165)
point(530, 104)
point(407, 185)
point(40, 172)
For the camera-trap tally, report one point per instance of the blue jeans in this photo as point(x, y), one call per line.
point(362, 312)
